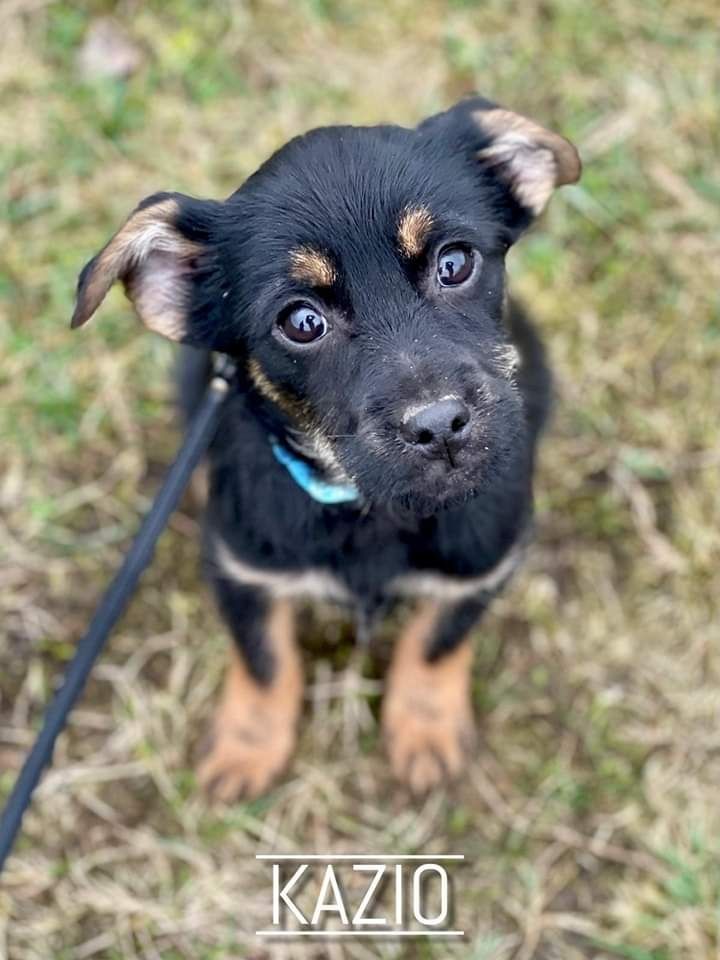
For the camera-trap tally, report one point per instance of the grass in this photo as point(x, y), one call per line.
point(589, 817)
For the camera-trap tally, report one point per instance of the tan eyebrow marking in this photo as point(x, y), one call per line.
point(312, 266)
point(413, 228)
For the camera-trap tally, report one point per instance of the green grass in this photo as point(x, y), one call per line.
point(589, 817)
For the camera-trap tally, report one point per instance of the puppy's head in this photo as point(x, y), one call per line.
point(359, 277)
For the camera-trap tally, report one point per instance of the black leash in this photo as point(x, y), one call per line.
point(196, 441)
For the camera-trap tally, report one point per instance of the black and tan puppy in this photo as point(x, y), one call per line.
point(379, 442)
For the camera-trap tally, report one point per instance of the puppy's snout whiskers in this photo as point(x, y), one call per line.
point(507, 360)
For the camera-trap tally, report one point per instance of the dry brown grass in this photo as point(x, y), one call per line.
point(590, 817)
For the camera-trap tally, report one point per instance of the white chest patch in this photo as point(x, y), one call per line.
point(318, 584)
point(428, 583)
point(322, 585)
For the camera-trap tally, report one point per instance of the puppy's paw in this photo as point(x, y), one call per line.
point(427, 716)
point(255, 726)
point(427, 741)
point(246, 752)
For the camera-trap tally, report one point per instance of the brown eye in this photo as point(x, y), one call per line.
point(455, 264)
point(302, 323)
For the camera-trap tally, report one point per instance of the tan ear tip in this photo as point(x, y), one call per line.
point(577, 170)
point(570, 168)
point(79, 317)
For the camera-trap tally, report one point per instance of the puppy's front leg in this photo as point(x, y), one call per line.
point(427, 714)
point(254, 730)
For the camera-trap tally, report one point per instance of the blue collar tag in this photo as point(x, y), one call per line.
point(307, 478)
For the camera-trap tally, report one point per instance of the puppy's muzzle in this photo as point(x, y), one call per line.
point(438, 430)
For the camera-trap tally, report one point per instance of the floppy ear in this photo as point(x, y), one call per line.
point(518, 153)
point(165, 257)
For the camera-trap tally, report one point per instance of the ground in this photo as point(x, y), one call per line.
point(589, 817)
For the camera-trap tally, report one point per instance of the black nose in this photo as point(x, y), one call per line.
point(440, 428)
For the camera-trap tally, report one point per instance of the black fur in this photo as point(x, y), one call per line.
point(395, 340)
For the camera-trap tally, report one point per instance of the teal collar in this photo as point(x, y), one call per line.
point(310, 480)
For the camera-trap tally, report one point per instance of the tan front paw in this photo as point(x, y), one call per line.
point(245, 757)
point(254, 731)
point(427, 715)
point(428, 743)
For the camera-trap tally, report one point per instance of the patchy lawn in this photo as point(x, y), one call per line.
point(590, 817)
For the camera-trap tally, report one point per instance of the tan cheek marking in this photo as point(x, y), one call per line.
point(311, 266)
point(413, 229)
point(426, 713)
point(254, 729)
point(288, 404)
point(302, 415)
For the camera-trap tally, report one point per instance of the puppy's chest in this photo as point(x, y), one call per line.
point(335, 561)
point(360, 562)
point(263, 531)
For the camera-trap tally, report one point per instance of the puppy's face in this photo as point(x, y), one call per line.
point(359, 277)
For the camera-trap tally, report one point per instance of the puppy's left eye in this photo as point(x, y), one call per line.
point(454, 266)
point(302, 323)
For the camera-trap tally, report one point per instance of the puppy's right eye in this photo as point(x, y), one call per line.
point(454, 266)
point(302, 323)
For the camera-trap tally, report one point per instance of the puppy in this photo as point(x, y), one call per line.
point(378, 442)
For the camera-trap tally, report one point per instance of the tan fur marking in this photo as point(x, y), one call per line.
point(312, 266)
point(426, 713)
point(413, 228)
point(288, 404)
point(534, 160)
point(255, 727)
point(319, 447)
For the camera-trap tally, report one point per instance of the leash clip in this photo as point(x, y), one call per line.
point(224, 371)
